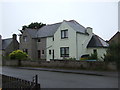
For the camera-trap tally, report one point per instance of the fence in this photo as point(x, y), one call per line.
point(9, 82)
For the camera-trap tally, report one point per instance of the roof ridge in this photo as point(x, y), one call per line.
point(7, 38)
point(53, 24)
point(76, 22)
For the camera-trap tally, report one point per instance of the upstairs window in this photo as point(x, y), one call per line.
point(64, 34)
point(39, 40)
point(64, 51)
point(25, 38)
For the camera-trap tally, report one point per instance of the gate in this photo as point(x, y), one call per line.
point(9, 82)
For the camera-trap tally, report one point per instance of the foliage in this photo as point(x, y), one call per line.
point(71, 58)
point(93, 56)
point(34, 25)
point(113, 53)
point(18, 54)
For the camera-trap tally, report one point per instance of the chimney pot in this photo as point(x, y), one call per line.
point(14, 36)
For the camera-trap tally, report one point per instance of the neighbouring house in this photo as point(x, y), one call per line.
point(115, 38)
point(0, 46)
point(67, 39)
point(9, 45)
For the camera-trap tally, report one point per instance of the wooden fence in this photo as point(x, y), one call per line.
point(9, 82)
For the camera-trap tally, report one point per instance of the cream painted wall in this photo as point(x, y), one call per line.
point(67, 42)
point(82, 42)
point(58, 42)
point(100, 52)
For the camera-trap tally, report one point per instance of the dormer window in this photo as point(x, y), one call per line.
point(64, 34)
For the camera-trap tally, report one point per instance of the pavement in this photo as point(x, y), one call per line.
point(86, 72)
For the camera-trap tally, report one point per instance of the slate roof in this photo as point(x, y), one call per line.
point(48, 30)
point(76, 26)
point(96, 41)
point(32, 32)
point(6, 42)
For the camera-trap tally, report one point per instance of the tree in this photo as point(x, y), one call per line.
point(34, 25)
point(113, 53)
point(18, 55)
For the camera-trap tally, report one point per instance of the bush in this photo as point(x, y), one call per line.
point(93, 56)
point(18, 55)
point(71, 58)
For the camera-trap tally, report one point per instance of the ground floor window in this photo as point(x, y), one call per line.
point(64, 51)
point(49, 51)
point(25, 50)
point(94, 51)
point(39, 54)
point(42, 51)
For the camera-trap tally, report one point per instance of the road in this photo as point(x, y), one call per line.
point(49, 79)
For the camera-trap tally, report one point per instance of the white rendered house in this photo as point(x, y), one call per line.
point(67, 39)
point(70, 39)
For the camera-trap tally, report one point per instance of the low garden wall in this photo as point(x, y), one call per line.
point(72, 64)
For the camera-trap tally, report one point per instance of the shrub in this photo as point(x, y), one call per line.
point(18, 54)
point(71, 58)
point(93, 56)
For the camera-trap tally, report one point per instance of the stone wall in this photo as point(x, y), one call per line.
point(92, 65)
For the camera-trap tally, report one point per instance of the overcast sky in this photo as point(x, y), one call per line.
point(101, 16)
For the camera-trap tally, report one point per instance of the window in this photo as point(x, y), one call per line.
point(25, 50)
point(25, 38)
point(39, 54)
point(94, 51)
point(64, 51)
point(49, 51)
point(53, 38)
point(42, 51)
point(64, 34)
point(39, 40)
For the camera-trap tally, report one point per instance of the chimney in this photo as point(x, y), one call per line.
point(89, 30)
point(14, 37)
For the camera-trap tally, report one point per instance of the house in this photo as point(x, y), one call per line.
point(67, 39)
point(0, 46)
point(9, 45)
point(115, 38)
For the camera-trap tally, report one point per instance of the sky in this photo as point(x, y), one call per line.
point(101, 15)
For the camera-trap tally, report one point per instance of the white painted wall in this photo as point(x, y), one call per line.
point(100, 52)
point(82, 42)
point(58, 42)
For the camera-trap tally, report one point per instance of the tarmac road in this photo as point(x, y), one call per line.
point(49, 79)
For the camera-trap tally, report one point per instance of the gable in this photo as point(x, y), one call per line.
point(76, 26)
point(115, 38)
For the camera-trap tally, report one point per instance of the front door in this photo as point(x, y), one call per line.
point(39, 54)
point(53, 54)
